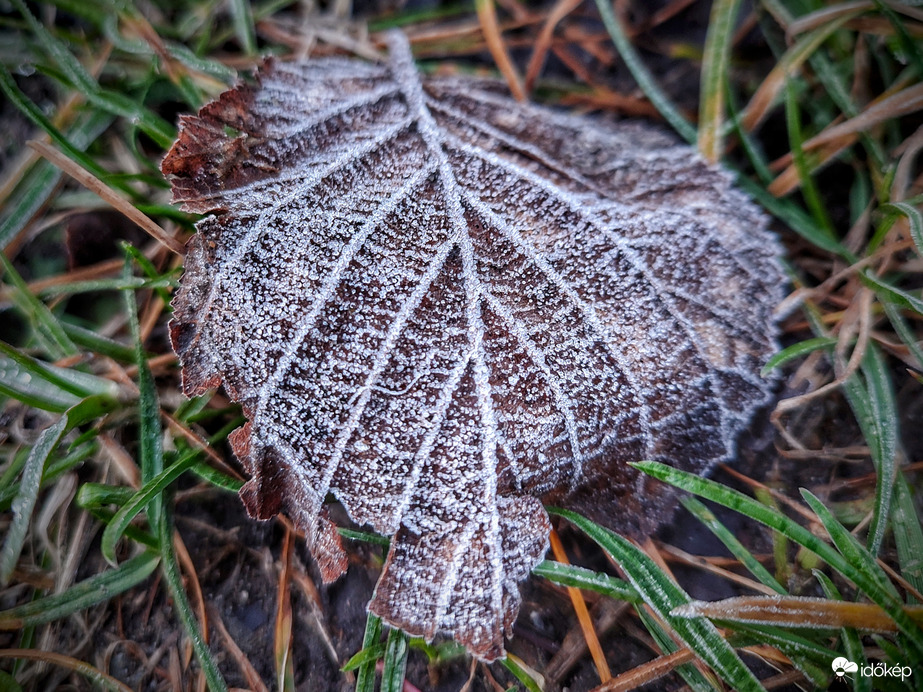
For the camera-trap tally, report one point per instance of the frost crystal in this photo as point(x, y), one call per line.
point(445, 307)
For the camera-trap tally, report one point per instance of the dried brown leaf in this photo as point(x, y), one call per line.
point(445, 307)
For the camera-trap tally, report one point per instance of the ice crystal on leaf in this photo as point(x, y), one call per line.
point(445, 308)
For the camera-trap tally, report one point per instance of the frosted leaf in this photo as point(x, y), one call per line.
point(445, 308)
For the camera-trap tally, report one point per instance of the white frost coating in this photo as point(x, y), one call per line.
point(446, 307)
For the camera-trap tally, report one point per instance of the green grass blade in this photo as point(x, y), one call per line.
point(715, 67)
point(908, 533)
point(395, 664)
point(903, 330)
point(848, 545)
point(54, 471)
point(84, 410)
point(365, 678)
point(14, 465)
point(93, 495)
point(243, 25)
point(807, 656)
point(693, 677)
point(722, 495)
point(914, 217)
point(8, 682)
point(796, 219)
point(75, 382)
point(789, 64)
point(32, 474)
point(875, 409)
point(797, 351)
point(662, 594)
point(909, 44)
point(520, 674)
point(151, 456)
point(730, 541)
point(87, 593)
point(850, 637)
point(32, 193)
point(809, 190)
point(92, 341)
point(27, 496)
point(216, 478)
point(149, 492)
point(213, 68)
point(889, 292)
point(365, 536)
point(582, 578)
point(754, 152)
point(37, 186)
point(134, 283)
point(642, 76)
point(174, 582)
point(366, 655)
point(16, 382)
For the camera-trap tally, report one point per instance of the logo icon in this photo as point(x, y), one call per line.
point(841, 666)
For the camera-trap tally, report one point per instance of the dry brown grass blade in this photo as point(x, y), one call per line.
point(95, 271)
point(179, 428)
point(543, 43)
point(113, 197)
point(67, 662)
point(821, 291)
point(646, 673)
point(791, 677)
point(282, 640)
point(487, 14)
point(789, 179)
point(691, 560)
point(121, 461)
point(856, 322)
point(837, 137)
point(889, 106)
point(583, 615)
point(899, 579)
point(153, 309)
point(137, 25)
point(814, 20)
point(903, 174)
point(788, 65)
point(797, 611)
point(780, 497)
point(150, 316)
point(881, 26)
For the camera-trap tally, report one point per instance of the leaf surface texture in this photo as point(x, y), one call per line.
point(445, 307)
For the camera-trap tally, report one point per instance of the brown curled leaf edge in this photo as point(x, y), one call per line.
point(446, 308)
